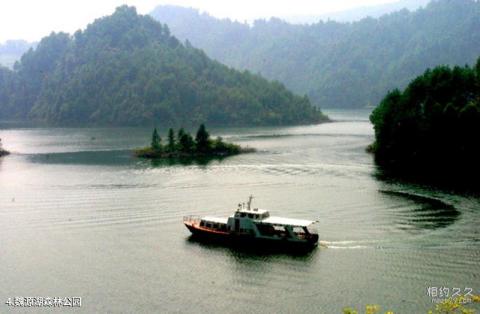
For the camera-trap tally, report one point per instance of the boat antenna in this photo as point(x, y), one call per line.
point(250, 201)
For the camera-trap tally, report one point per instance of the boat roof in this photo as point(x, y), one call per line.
point(221, 220)
point(280, 221)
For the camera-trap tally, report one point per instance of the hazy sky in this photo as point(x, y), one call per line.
point(33, 19)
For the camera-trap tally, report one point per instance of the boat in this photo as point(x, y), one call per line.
point(254, 226)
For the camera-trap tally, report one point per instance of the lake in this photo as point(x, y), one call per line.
point(80, 217)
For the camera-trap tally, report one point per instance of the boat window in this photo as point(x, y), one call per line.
point(250, 215)
point(243, 215)
point(267, 230)
point(279, 228)
point(209, 225)
point(298, 230)
point(202, 223)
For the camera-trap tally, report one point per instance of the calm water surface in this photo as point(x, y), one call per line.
point(80, 217)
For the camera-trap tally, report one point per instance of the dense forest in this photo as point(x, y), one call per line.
point(126, 69)
point(433, 126)
point(339, 65)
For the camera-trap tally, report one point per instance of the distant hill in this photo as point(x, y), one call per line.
point(12, 50)
point(358, 13)
point(339, 65)
point(126, 69)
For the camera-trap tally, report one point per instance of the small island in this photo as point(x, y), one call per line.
point(184, 146)
point(3, 152)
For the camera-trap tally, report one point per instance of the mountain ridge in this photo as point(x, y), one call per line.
point(339, 65)
point(357, 13)
point(127, 69)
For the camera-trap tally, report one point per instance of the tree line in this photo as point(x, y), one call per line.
point(433, 126)
point(182, 144)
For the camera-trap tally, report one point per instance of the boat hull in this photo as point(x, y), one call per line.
point(249, 241)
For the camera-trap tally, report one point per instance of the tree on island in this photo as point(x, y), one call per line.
point(156, 141)
point(185, 142)
point(202, 139)
point(219, 145)
point(186, 146)
point(180, 134)
point(171, 140)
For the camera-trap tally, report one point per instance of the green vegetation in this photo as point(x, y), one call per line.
point(432, 127)
point(456, 305)
point(186, 147)
point(156, 141)
point(126, 69)
point(339, 65)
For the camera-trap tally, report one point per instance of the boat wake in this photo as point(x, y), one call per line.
point(344, 245)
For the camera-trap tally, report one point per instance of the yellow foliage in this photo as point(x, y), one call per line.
point(449, 306)
point(349, 310)
point(369, 309)
point(454, 306)
point(372, 309)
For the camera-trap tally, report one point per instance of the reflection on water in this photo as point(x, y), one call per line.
point(107, 158)
point(80, 216)
point(434, 181)
point(116, 158)
point(185, 161)
point(249, 250)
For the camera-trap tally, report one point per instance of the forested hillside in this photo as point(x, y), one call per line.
point(126, 69)
point(339, 64)
point(433, 126)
